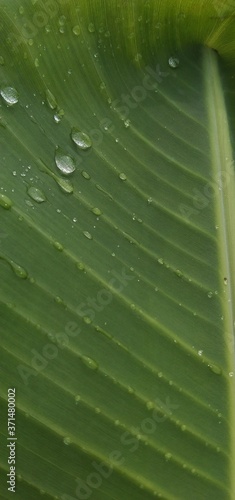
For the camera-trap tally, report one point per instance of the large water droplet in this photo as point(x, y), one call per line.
point(90, 363)
point(10, 95)
point(81, 139)
point(64, 162)
point(5, 202)
point(51, 100)
point(65, 185)
point(36, 194)
point(173, 62)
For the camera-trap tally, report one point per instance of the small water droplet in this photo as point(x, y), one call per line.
point(127, 123)
point(179, 273)
point(87, 235)
point(230, 374)
point(58, 300)
point(67, 440)
point(77, 399)
point(130, 389)
point(80, 266)
point(5, 202)
point(87, 320)
point(96, 211)
point(91, 28)
point(160, 261)
point(81, 139)
point(58, 246)
point(200, 353)
point(2, 61)
point(76, 30)
point(173, 62)
point(225, 281)
point(65, 185)
point(209, 295)
point(168, 456)
point(36, 194)
point(51, 100)
point(10, 95)
point(117, 422)
point(183, 427)
point(150, 405)
point(58, 115)
point(64, 162)
point(90, 363)
point(85, 175)
point(97, 410)
point(122, 176)
point(18, 270)
point(160, 374)
point(150, 200)
point(215, 369)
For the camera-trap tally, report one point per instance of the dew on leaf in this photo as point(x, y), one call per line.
point(91, 28)
point(67, 440)
point(122, 176)
point(64, 162)
point(36, 194)
point(2, 61)
point(96, 211)
point(173, 62)
point(81, 139)
point(87, 235)
point(90, 363)
point(10, 95)
point(65, 185)
point(58, 246)
point(5, 202)
point(51, 100)
point(76, 30)
point(85, 175)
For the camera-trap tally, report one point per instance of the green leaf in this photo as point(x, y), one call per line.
point(117, 249)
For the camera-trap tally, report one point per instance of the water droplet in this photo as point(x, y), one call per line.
point(87, 235)
point(58, 115)
point(209, 295)
point(230, 374)
point(80, 266)
point(160, 374)
point(150, 405)
point(67, 440)
point(127, 123)
point(64, 162)
point(200, 353)
point(215, 369)
point(90, 363)
point(97, 410)
point(2, 61)
point(58, 246)
point(160, 261)
point(85, 175)
point(183, 427)
point(36, 194)
point(168, 456)
point(179, 273)
point(150, 200)
point(51, 100)
point(87, 320)
point(117, 422)
point(76, 30)
point(173, 62)
point(5, 202)
point(130, 389)
point(58, 300)
point(77, 399)
point(122, 176)
point(225, 281)
point(36, 62)
point(81, 139)
point(91, 28)
point(18, 270)
point(65, 185)
point(96, 211)
point(10, 95)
